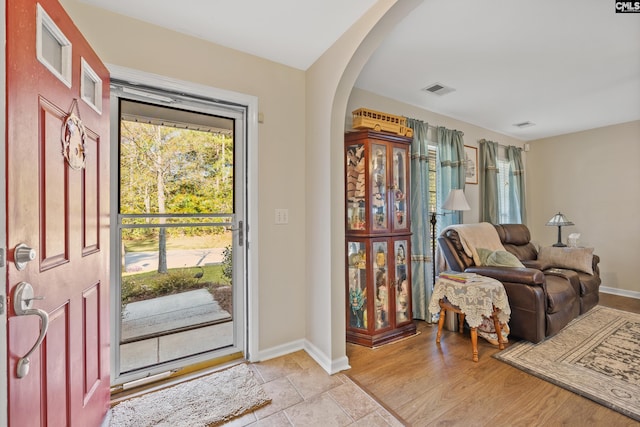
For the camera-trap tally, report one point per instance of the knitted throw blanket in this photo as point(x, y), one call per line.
point(480, 235)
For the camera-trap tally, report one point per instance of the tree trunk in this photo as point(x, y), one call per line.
point(162, 235)
point(162, 251)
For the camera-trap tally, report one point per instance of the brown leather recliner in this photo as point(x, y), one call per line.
point(542, 299)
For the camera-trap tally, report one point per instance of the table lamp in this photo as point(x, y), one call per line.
point(559, 220)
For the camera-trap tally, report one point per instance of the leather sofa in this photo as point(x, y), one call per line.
point(543, 298)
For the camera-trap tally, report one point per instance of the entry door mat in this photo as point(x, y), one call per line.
point(597, 356)
point(206, 401)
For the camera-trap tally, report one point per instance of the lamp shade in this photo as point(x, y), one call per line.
point(559, 220)
point(456, 201)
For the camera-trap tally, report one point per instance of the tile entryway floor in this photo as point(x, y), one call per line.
point(303, 394)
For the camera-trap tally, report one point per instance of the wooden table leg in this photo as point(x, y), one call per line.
point(461, 316)
point(498, 328)
point(440, 324)
point(474, 343)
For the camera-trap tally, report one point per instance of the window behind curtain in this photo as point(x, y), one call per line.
point(433, 177)
point(503, 193)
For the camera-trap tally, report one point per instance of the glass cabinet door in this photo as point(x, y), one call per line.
point(378, 179)
point(357, 279)
point(401, 283)
point(381, 284)
point(355, 191)
point(399, 187)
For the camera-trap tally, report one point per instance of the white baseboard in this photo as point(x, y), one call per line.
point(280, 350)
point(326, 363)
point(620, 292)
point(329, 365)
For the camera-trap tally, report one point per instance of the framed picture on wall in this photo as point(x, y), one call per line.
point(471, 164)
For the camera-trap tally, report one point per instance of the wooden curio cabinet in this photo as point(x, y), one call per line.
point(378, 238)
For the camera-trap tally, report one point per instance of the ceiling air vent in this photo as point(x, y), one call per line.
point(438, 89)
point(524, 124)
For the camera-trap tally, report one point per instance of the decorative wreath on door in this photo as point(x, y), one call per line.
point(73, 138)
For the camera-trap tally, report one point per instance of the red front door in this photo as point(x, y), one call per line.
point(57, 205)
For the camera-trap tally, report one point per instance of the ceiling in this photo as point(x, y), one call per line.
point(564, 66)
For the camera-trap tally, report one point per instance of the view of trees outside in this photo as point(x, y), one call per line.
point(168, 170)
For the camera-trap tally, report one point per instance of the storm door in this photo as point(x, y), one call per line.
point(180, 233)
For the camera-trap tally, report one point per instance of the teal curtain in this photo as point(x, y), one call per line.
point(452, 172)
point(421, 280)
point(488, 179)
point(517, 209)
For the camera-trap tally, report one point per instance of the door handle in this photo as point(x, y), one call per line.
point(23, 254)
point(22, 300)
point(241, 230)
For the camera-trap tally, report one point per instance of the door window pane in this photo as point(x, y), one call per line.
point(53, 48)
point(90, 87)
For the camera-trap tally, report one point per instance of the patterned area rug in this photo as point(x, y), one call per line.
point(596, 356)
point(202, 402)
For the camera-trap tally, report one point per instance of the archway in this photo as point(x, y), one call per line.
point(329, 84)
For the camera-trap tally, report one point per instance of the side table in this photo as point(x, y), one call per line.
point(472, 297)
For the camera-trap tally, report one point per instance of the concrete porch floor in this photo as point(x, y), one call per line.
point(172, 312)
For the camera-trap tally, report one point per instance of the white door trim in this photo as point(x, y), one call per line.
point(251, 236)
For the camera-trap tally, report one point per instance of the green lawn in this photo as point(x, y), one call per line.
point(142, 286)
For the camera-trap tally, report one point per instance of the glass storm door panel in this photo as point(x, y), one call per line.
point(378, 180)
point(180, 225)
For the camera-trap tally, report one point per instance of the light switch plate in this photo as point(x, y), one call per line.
point(282, 216)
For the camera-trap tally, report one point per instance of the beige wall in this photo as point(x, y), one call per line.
point(593, 177)
point(472, 134)
point(281, 93)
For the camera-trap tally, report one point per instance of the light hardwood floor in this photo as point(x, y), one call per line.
point(425, 384)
